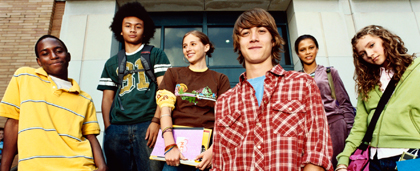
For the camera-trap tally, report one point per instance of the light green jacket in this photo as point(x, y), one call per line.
point(399, 124)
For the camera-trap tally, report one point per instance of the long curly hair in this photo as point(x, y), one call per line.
point(134, 9)
point(367, 75)
point(257, 17)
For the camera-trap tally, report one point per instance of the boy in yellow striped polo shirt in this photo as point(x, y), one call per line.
point(51, 122)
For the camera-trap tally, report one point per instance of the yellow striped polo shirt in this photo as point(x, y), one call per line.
point(52, 122)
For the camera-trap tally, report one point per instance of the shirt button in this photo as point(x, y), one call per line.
point(259, 147)
point(290, 108)
point(259, 124)
point(265, 101)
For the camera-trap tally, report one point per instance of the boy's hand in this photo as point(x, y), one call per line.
point(102, 169)
point(151, 134)
point(207, 159)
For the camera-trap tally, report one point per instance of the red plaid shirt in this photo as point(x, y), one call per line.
point(286, 132)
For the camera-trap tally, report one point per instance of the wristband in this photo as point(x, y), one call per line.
point(156, 120)
point(169, 146)
point(169, 150)
point(169, 128)
point(165, 115)
point(163, 130)
point(340, 167)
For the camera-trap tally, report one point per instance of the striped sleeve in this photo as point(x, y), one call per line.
point(10, 104)
point(90, 124)
point(106, 82)
point(161, 62)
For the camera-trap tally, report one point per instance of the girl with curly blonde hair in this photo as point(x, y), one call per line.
point(380, 56)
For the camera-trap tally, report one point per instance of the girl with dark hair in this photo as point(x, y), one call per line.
point(338, 109)
point(380, 56)
point(177, 105)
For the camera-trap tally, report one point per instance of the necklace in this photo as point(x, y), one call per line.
point(311, 71)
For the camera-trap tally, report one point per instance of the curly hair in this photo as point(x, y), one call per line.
point(367, 75)
point(203, 38)
point(133, 9)
point(257, 17)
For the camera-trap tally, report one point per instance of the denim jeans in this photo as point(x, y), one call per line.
point(385, 164)
point(181, 167)
point(126, 149)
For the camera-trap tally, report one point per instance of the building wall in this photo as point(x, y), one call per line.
point(334, 23)
point(85, 30)
point(21, 24)
point(57, 18)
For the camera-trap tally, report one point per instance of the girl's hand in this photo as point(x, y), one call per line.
point(173, 156)
point(207, 159)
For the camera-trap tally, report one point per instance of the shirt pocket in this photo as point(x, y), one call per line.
point(231, 129)
point(288, 118)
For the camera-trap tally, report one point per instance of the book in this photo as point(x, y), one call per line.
point(191, 142)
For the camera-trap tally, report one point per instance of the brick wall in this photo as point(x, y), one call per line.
point(57, 18)
point(22, 22)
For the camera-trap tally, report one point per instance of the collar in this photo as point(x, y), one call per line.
point(277, 71)
point(41, 71)
point(74, 89)
point(132, 53)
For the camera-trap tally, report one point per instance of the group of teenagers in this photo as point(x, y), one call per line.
point(271, 120)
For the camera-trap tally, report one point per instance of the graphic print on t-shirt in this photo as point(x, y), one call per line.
point(201, 94)
point(137, 80)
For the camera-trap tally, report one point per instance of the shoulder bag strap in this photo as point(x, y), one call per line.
point(331, 83)
point(381, 105)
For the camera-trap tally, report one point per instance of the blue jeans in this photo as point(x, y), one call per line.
point(385, 164)
point(181, 167)
point(126, 149)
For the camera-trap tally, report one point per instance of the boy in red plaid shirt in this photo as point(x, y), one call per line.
point(272, 119)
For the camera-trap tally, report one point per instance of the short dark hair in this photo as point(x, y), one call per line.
point(48, 36)
point(203, 38)
point(133, 9)
point(303, 37)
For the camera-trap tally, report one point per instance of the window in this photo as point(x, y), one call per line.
point(218, 26)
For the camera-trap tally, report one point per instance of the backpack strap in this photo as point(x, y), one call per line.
point(145, 61)
point(122, 60)
point(148, 69)
point(331, 83)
